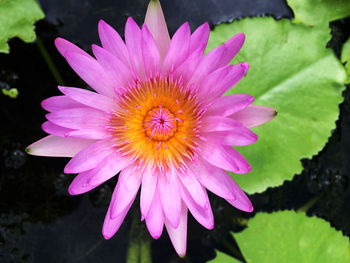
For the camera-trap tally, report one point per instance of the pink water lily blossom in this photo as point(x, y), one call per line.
point(158, 117)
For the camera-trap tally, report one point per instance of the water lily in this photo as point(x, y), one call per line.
point(157, 116)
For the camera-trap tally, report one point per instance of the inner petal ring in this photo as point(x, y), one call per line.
point(160, 124)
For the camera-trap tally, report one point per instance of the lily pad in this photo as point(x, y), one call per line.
point(318, 12)
point(17, 18)
point(345, 57)
point(293, 72)
point(290, 237)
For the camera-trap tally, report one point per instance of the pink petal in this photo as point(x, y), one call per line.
point(225, 157)
point(218, 57)
point(178, 48)
point(237, 137)
point(178, 236)
point(155, 217)
point(203, 215)
point(228, 50)
point(227, 105)
point(58, 146)
point(111, 225)
point(194, 188)
point(128, 184)
point(221, 80)
point(90, 133)
point(133, 44)
point(217, 123)
point(236, 73)
point(241, 201)
point(116, 69)
point(214, 179)
point(170, 197)
point(232, 46)
point(65, 47)
point(104, 171)
point(108, 168)
point(199, 38)
point(155, 22)
point(58, 103)
point(54, 129)
point(220, 183)
point(254, 115)
point(78, 118)
point(215, 78)
point(91, 72)
point(80, 185)
point(186, 69)
point(112, 42)
point(89, 98)
point(150, 53)
point(149, 184)
point(89, 157)
point(208, 64)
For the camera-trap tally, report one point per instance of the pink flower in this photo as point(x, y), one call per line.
point(158, 117)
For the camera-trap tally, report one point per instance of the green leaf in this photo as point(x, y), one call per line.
point(319, 12)
point(16, 19)
point(293, 72)
point(345, 58)
point(12, 93)
point(290, 237)
point(223, 258)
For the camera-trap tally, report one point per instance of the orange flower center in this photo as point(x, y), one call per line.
point(157, 124)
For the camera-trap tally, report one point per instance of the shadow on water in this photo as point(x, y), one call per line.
point(40, 222)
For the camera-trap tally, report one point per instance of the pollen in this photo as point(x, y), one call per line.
point(157, 124)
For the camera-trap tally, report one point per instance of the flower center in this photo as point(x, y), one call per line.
point(157, 124)
point(160, 124)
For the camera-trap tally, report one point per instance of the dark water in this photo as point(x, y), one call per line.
point(40, 222)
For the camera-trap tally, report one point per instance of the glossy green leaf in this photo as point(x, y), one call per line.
point(287, 236)
point(223, 258)
point(292, 71)
point(318, 12)
point(345, 58)
point(17, 18)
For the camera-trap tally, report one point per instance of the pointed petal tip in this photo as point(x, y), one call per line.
point(67, 170)
point(101, 22)
point(155, 235)
point(62, 89)
point(249, 208)
point(106, 236)
point(241, 36)
point(245, 65)
point(59, 41)
point(28, 150)
point(32, 149)
point(95, 48)
point(210, 227)
point(242, 204)
point(247, 169)
point(72, 191)
point(130, 20)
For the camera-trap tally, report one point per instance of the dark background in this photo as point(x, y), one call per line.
point(40, 222)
